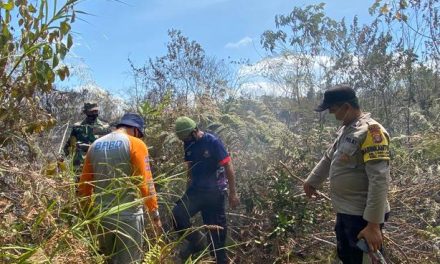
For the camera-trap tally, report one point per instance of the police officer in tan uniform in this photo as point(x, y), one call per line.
point(357, 165)
point(84, 133)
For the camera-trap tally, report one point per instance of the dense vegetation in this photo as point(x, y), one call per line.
point(392, 62)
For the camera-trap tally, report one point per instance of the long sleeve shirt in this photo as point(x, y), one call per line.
point(85, 133)
point(357, 165)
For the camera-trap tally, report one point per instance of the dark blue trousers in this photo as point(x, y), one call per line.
point(212, 206)
point(347, 228)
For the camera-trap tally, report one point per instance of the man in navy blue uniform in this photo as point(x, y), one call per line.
point(210, 173)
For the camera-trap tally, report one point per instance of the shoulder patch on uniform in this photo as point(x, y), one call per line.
point(375, 146)
point(376, 133)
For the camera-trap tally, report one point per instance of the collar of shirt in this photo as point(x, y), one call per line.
point(358, 121)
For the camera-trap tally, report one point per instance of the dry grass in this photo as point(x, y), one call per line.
point(38, 211)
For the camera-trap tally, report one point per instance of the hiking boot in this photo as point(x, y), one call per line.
point(195, 242)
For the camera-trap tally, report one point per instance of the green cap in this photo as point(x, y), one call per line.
point(184, 127)
point(90, 106)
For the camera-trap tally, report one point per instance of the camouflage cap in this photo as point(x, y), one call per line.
point(89, 106)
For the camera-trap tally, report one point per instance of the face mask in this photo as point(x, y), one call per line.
point(92, 117)
point(137, 133)
point(330, 117)
point(337, 112)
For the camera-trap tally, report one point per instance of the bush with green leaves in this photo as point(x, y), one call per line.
point(36, 37)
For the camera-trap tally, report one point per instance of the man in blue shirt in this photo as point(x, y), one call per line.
point(210, 172)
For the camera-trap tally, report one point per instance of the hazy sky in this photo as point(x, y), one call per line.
point(117, 30)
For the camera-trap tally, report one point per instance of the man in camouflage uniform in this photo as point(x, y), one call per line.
point(84, 133)
point(357, 164)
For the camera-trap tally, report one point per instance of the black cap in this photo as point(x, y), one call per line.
point(133, 120)
point(335, 95)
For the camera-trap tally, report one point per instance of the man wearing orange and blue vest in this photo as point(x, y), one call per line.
point(358, 166)
point(210, 173)
point(117, 173)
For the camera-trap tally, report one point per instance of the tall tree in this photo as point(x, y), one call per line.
point(185, 71)
point(301, 37)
